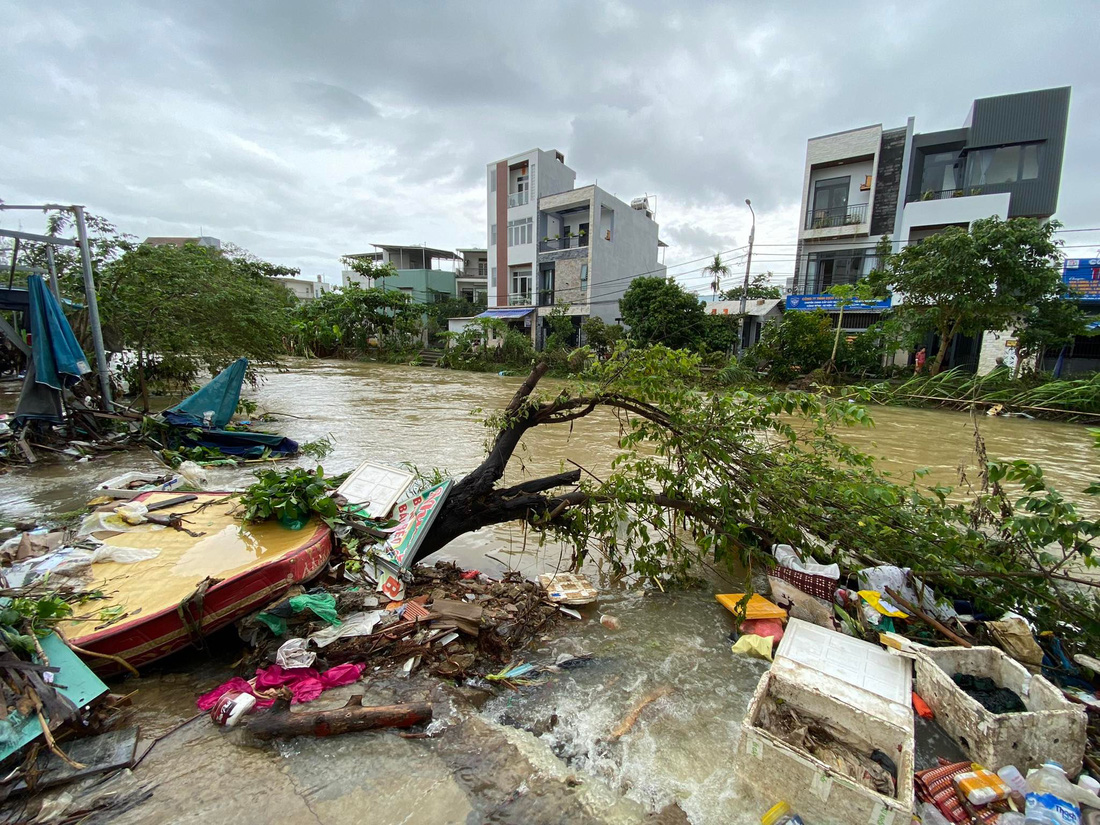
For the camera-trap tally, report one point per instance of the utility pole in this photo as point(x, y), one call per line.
point(93, 307)
point(748, 259)
point(748, 266)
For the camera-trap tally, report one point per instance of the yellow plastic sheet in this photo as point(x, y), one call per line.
point(750, 645)
point(874, 598)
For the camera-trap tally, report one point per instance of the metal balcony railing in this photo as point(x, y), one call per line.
point(569, 242)
point(520, 299)
point(518, 198)
point(838, 216)
point(944, 194)
point(546, 297)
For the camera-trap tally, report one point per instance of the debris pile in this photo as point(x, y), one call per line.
point(451, 624)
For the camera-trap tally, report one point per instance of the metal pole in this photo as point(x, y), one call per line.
point(53, 273)
point(93, 308)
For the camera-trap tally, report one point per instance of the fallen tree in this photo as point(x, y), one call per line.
point(722, 477)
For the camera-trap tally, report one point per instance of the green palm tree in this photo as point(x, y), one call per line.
point(716, 269)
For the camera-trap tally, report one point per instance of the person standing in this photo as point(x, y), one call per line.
point(919, 365)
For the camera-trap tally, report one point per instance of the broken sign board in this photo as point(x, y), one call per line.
point(375, 488)
point(74, 680)
point(415, 517)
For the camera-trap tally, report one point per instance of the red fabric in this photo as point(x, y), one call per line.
point(304, 683)
point(763, 627)
point(208, 700)
point(818, 586)
point(471, 574)
point(921, 707)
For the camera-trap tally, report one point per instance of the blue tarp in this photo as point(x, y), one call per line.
point(200, 417)
point(59, 361)
point(509, 312)
point(219, 398)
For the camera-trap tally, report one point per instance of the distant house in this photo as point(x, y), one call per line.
point(472, 281)
point(758, 311)
point(201, 240)
point(551, 244)
point(304, 289)
point(420, 272)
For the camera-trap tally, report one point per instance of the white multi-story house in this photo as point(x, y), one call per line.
point(551, 244)
point(870, 183)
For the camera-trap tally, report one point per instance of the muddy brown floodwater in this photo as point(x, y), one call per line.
point(538, 755)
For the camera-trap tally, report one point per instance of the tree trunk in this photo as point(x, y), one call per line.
point(836, 340)
point(142, 382)
point(945, 343)
point(278, 721)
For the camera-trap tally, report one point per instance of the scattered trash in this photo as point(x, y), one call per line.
point(991, 697)
point(610, 622)
point(231, 707)
point(355, 624)
point(575, 614)
point(1013, 634)
point(294, 653)
point(921, 707)
point(781, 814)
point(1050, 797)
point(568, 588)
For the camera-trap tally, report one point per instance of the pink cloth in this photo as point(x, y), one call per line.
point(304, 683)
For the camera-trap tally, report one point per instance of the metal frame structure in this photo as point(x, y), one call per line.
point(81, 243)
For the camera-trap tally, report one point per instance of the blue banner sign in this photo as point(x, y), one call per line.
point(830, 303)
point(1082, 277)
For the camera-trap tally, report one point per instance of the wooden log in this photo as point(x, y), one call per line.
point(631, 718)
point(352, 717)
point(924, 617)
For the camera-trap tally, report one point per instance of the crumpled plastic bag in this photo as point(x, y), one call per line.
point(1014, 635)
point(294, 653)
point(750, 645)
point(193, 474)
point(109, 521)
point(133, 512)
point(789, 558)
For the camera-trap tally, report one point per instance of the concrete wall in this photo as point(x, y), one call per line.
point(951, 211)
point(632, 251)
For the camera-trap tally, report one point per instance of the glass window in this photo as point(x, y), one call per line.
point(1003, 164)
point(829, 269)
point(832, 193)
point(493, 235)
point(492, 180)
point(493, 278)
point(584, 276)
point(1029, 164)
point(942, 172)
point(520, 231)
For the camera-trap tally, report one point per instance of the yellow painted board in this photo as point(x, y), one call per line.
point(226, 548)
point(757, 608)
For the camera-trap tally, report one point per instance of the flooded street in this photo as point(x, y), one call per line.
point(541, 754)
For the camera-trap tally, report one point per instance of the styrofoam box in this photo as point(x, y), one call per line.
point(852, 661)
point(1052, 728)
point(774, 770)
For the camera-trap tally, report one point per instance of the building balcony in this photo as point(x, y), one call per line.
point(518, 198)
point(558, 244)
point(852, 215)
point(520, 299)
point(546, 297)
point(960, 192)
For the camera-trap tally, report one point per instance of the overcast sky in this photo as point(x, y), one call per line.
point(305, 130)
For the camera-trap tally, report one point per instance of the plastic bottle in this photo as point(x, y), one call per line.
point(1050, 797)
point(781, 814)
point(1014, 779)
